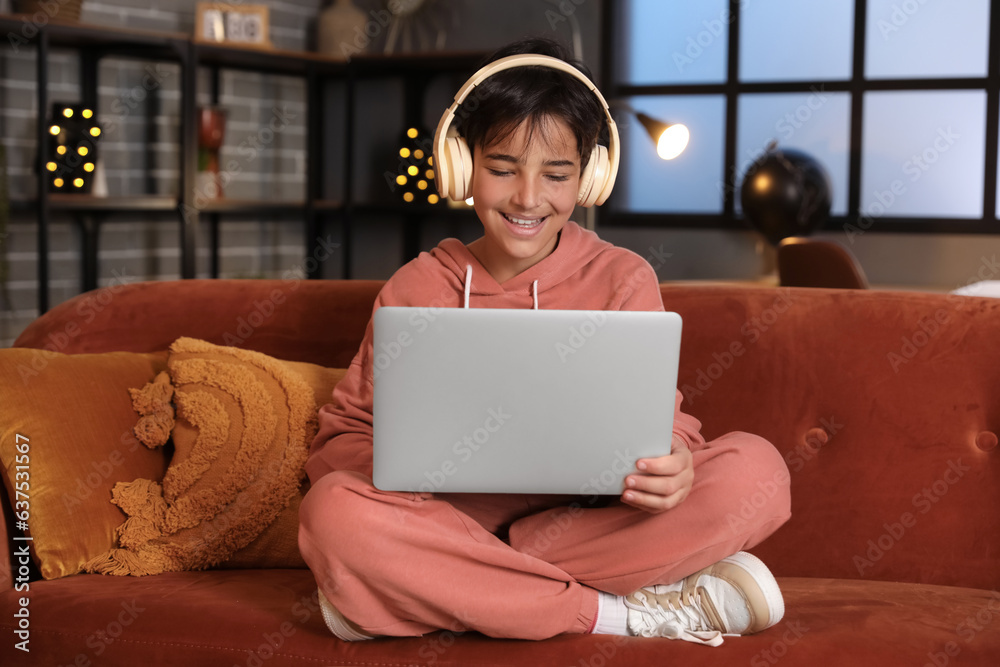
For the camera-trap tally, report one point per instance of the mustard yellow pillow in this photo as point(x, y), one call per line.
point(71, 416)
point(278, 545)
point(230, 496)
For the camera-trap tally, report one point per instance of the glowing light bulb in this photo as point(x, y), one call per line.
point(421, 185)
point(78, 182)
point(407, 196)
point(95, 131)
point(412, 170)
point(429, 174)
point(432, 199)
point(58, 182)
point(55, 129)
point(412, 133)
point(404, 152)
point(61, 150)
point(82, 150)
point(51, 166)
point(419, 154)
point(88, 166)
point(401, 180)
point(673, 141)
point(87, 113)
point(68, 113)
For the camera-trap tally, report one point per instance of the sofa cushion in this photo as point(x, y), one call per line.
point(244, 422)
point(272, 618)
point(75, 417)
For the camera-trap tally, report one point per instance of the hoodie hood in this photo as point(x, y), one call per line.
point(576, 248)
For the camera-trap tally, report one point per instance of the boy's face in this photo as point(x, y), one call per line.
point(524, 193)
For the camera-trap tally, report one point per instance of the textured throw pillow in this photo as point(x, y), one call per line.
point(241, 430)
point(74, 415)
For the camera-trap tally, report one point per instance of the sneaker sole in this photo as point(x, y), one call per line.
point(337, 624)
point(769, 589)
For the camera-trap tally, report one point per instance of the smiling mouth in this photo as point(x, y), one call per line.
point(525, 223)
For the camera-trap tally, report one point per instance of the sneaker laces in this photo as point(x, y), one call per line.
point(687, 620)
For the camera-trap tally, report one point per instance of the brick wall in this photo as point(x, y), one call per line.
point(140, 155)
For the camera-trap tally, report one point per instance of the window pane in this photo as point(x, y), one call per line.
point(923, 154)
point(673, 41)
point(816, 123)
point(691, 182)
point(792, 40)
point(916, 38)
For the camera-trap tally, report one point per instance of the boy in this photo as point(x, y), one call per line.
point(660, 560)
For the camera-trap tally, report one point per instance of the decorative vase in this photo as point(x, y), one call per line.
point(341, 30)
point(211, 133)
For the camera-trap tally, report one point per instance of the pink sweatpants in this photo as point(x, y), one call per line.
point(522, 566)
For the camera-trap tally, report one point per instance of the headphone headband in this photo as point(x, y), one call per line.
point(447, 169)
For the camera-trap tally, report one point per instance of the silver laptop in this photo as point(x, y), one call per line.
point(520, 401)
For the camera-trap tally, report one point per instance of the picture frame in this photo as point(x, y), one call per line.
point(233, 24)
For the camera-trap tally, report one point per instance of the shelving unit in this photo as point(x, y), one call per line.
point(416, 72)
point(316, 210)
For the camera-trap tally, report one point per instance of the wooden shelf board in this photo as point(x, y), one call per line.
point(143, 203)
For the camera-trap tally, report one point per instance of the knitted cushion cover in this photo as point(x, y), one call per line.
point(240, 423)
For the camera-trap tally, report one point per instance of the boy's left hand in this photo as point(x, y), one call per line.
point(660, 483)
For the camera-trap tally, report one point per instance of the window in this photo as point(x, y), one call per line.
point(899, 100)
point(791, 40)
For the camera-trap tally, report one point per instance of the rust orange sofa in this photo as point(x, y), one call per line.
point(886, 406)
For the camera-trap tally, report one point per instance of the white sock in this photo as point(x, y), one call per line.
point(612, 615)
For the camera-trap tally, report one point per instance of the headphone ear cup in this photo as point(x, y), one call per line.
point(458, 179)
point(594, 177)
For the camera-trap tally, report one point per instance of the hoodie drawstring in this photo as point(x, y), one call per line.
point(468, 282)
point(468, 286)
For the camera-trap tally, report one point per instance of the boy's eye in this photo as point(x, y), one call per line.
point(499, 172)
point(559, 177)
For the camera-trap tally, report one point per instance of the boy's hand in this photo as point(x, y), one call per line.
point(661, 483)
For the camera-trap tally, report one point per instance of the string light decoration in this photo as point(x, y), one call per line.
point(413, 180)
point(72, 157)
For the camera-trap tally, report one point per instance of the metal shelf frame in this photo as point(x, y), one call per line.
point(94, 42)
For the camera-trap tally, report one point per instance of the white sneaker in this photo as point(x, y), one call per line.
point(736, 596)
point(338, 624)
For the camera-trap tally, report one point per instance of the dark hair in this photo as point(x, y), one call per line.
point(501, 103)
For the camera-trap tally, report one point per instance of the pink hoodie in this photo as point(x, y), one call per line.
point(582, 273)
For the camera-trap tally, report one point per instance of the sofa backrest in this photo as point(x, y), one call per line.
point(883, 404)
point(300, 320)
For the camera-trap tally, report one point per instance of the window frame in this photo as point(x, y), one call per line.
point(856, 87)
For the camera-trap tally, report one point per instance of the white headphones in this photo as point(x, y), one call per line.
point(453, 158)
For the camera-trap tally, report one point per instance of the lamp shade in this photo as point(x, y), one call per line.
point(670, 139)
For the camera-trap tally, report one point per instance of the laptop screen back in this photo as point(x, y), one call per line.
point(520, 401)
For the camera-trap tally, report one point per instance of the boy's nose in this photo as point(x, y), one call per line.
point(526, 195)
